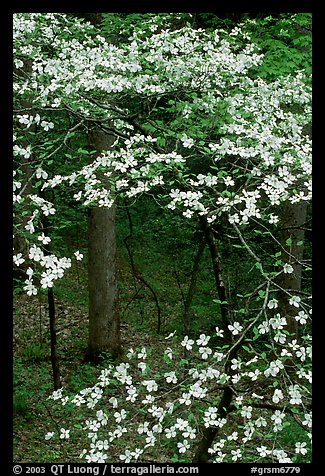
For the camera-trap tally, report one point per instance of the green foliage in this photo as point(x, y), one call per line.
point(85, 377)
point(119, 27)
point(53, 455)
point(291, 435)
point(163, 251)
point(20, 403)
point(285, 40)
point(24, 392)
point(73, 286)
point(35, 351)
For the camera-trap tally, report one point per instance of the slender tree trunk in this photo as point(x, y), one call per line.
point(51, 303)
point(217, 270)
point(54, 355)
point(104, 319)
point(137, 274)
point(294, 217)
point(209, 434)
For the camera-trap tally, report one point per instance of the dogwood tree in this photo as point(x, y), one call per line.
point(196, 127)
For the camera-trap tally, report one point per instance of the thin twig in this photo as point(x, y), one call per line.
point(54, 152)
point(138, 275)
point(236, 344)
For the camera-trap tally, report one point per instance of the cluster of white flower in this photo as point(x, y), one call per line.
point(190, 200)
point(28, 120)
point(164, 418)
point(211, 418)
point(261, 129)
point(25, 152)
point(269, 135)
point(54, 266)
point(139, 178)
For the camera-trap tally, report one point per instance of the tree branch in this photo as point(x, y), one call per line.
point(138, 275)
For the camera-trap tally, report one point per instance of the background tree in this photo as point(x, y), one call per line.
point(104, 322)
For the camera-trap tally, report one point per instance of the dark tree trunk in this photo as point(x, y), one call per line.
point(209, 434)
point(294, 217)
point(54, 355)
point(217, 270)
point(104, 319)
point(51, 303)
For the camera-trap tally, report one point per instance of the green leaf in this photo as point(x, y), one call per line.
point(223, 379)
point(161, 141)
point(167, 359)
point(82, 151)
point(247, 349)
point(289, 241)
point(218, 301)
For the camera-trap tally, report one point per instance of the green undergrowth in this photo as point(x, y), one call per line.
point(163, 255)
point(163, 252)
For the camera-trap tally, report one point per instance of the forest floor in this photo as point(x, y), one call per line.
point(33, 383)
point(34, 414)
point(163, 264)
